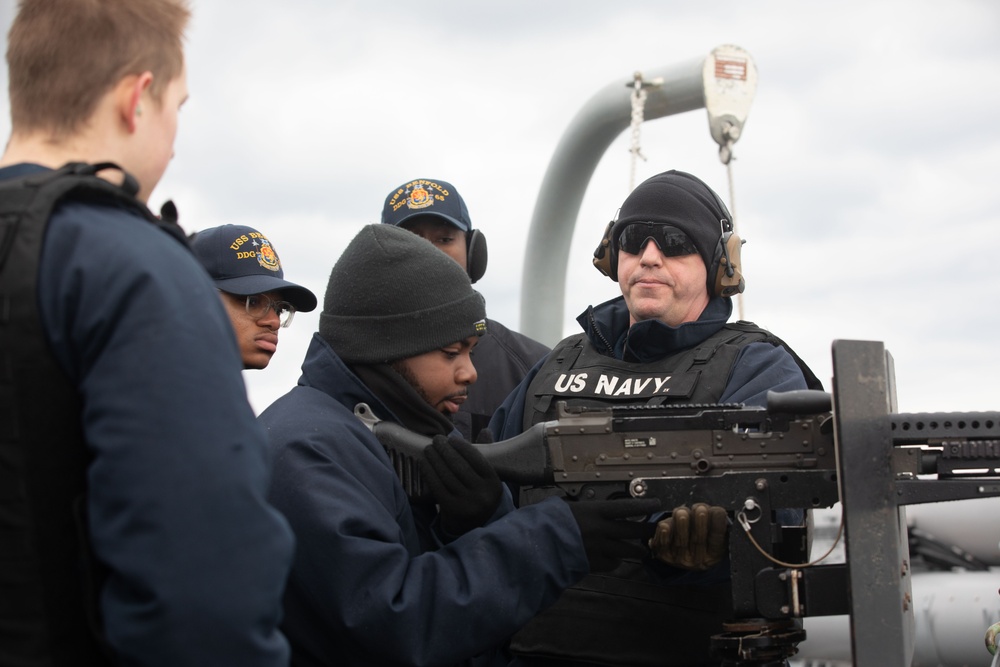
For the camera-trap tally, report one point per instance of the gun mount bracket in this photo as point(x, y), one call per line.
point(757, 642)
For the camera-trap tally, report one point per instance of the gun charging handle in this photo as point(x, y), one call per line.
point(799, 402)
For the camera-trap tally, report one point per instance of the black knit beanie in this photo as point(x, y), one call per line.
point(393, 295)
point(681, 200)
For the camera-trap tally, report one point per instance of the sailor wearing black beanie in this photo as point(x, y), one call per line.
point(389, 299)
point(443, 577)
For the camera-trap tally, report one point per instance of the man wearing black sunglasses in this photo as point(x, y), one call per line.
point(666, 339)
point(245, 268)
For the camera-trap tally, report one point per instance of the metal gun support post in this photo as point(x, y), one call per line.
point(880, 597)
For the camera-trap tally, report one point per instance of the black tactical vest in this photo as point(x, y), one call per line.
point(580, 375)
point(48, 579)
point(628, 616)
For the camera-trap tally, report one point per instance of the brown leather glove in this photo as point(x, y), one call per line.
point(692, 538)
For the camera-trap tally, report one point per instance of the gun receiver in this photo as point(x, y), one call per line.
point(600, 453)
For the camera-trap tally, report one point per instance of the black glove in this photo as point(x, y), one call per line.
point(608, 536)
point(692, 539)
point(463, 483)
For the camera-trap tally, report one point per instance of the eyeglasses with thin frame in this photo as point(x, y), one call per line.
point(257, 306)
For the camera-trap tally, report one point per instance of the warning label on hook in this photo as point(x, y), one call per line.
point(731, 69)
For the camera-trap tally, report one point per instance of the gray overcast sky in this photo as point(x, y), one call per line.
point(866, 177)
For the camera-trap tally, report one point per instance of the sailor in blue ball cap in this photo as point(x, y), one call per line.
point(434, 210)
point(245, 268)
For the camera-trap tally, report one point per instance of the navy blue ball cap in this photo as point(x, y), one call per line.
point(241, 260)
point(426, 197)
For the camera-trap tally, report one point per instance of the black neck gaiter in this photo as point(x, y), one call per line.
point(402, 399)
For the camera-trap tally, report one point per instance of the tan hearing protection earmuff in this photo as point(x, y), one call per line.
point(602, 254)
point(729, 278)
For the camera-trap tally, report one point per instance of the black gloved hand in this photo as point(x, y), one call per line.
point(463, 483)
point(608, 535)
point(692, 539)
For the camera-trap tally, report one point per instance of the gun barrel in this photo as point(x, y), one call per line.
point(912, 428)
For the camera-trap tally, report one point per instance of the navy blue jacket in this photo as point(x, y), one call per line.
point(176, 506)
point(362, 590)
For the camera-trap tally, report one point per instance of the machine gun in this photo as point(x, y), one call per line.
point(600, 453)
point(805, 450)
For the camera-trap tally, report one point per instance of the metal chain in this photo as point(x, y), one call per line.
point(638, 113)
point(731, 134)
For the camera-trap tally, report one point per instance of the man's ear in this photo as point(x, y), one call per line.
point(129, 95)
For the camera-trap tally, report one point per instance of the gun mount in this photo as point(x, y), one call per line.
point(805, 450)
